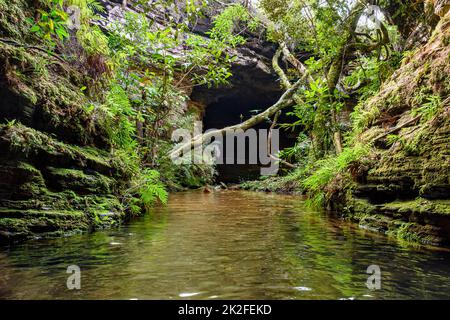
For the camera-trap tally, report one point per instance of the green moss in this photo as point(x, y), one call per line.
point(57, 217)
point(74, 190)
point(74, 179)
point(12, 18)
point(413, 233)
point(31, 213)
point(420, 206)
point(362, 118)
point(361, 207)
point(411, 221)
point(20, 224)
point(55, 86)
point(30, 142)
point(58, 171)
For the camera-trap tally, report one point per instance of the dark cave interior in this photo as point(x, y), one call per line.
point(233, 109)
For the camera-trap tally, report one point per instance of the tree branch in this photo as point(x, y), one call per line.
point(283, 78)
point(303, 71)
point(286, 100)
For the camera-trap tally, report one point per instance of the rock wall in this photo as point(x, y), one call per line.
point(57, 173)
point(404, 189)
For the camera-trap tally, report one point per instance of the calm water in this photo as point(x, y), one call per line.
point(225, 245)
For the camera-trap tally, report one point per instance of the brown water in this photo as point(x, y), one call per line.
point(225, 245)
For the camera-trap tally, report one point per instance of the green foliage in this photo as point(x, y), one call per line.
point(362, 116)
point(86, 9)
point(145, 188)
point(194, 8)
point(204, 61)
point(350, 60)
point(93, 40)
point(122, 130)
point(429, 109)
point(316, 100)
point(51, 25)
point(209, 56)
point(151, 189)
point(367, 77)
point(325, 170)
point(299, 152)
point(313, 114)
point(314, 26)
point(153, 78)
point(226, 23)
point(90, 36)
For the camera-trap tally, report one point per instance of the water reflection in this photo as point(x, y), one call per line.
point(230, 245)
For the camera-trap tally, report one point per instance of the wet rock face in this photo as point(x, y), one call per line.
point(418, 162)
point(406, 189)
point(57, 174)
point(50, 188)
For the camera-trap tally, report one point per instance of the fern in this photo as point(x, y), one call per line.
point(327, 169)
point(93, 40)
point(152, 188)
point(429, 109)
point(121, 129)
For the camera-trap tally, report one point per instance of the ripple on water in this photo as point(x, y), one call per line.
point(227, 245)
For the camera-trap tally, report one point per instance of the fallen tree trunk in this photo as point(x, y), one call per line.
point(286, 100)
point(289, 98)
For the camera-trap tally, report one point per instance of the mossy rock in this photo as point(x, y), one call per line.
point(419, 221)
point(58, 173)
point(20, 180)
point(77, 180)
point(18, 225)
point(12, 18)
point(28, 143)
point(50, 187)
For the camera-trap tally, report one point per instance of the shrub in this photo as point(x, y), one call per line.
point(329, 168)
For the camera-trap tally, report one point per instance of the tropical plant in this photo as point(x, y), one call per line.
point(51, 25)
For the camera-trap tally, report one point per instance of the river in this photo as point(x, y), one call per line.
point(225, 245)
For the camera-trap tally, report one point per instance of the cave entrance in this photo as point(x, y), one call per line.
point(252, 89)
point(233, 109)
